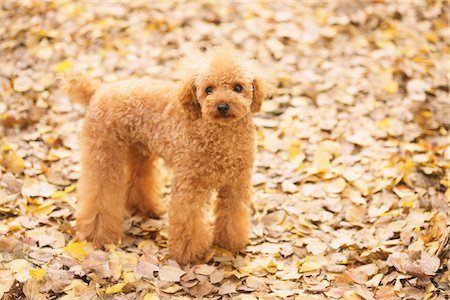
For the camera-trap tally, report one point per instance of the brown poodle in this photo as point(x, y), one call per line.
point(202, 128)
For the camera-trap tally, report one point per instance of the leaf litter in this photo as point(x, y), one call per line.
point(351, 185)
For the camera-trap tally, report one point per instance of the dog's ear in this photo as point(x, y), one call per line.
point(258, 94)
point(188, 99)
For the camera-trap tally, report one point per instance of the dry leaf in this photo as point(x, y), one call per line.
point(76, 250)
point(170, 273)
point(350, 179)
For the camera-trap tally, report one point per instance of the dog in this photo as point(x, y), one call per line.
point(201, 127)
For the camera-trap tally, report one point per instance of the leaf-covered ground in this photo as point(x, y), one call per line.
point(351, 184)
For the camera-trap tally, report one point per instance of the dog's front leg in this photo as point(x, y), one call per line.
point(232, 215)
point(189, 231)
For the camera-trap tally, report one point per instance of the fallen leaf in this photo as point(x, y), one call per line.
point(76, 250)
point(37, 273)
point(335, 186)
point(151, 296)
point(63, 66)
point(172, 289)
point(22, 84)
point(310, 264)
point(12, 162)
point(115, 289)
point(228, 287)
point(20, 269)
point(170, 273)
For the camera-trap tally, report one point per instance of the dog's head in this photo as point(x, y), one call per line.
point(223, 89)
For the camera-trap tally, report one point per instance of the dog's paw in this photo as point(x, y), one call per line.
point(98, 233)
point(231, 243)
point(155, 212)
point(188, 251)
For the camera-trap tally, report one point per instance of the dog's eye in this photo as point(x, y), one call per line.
point(209, 90)
point(238, 88)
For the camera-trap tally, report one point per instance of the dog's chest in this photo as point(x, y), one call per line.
point(226, 156)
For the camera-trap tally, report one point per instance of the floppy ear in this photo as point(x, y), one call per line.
point(188, 99)
point(258, 94)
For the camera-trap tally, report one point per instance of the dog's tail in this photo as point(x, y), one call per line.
point(79, 86)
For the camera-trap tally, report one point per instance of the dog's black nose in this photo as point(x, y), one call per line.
point(223, 109)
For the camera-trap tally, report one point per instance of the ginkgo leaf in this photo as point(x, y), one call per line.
point(170, 273)
point(310, 264)
point(391, 87)
point(63, 66)
point(76, 249)
point(151, 296)
point(37, 273)
point(349, 186)
point(114, 289)
point(58, 195)
point(12, 162)
point(172, 289)
point(20, 269)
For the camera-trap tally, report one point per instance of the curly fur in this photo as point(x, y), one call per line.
point(129, 124)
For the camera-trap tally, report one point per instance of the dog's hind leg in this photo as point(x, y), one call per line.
point(144, 188)
point(101, 188)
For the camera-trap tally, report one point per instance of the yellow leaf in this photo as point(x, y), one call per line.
point(37, 273)
point(44, 209)
point(222, 252)
point(5, 148)
point(151, 296)
point(391, 87)
point(58, 195)
point(69, 189)
point(294, 151)
point(144, 243)
point(426, 114)
point(423, 61)
point(11, 161)
point(128, 277)
point(408, 167)
point(172, 289)
point(76, 250)
point(126, 41)
point(63, 66)
point(383, 124)
point(209, 255)
point(321, 161)
point(271, 267)
point(384, 44)
point(285, 79)
point(408, 203)
point(238, 274)
point(117, 288)
point(391, 213)
point(309, 265)
point(389, 33)
point(14, 228)
point(431, 37)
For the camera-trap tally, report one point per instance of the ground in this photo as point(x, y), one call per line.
point(351, 183)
